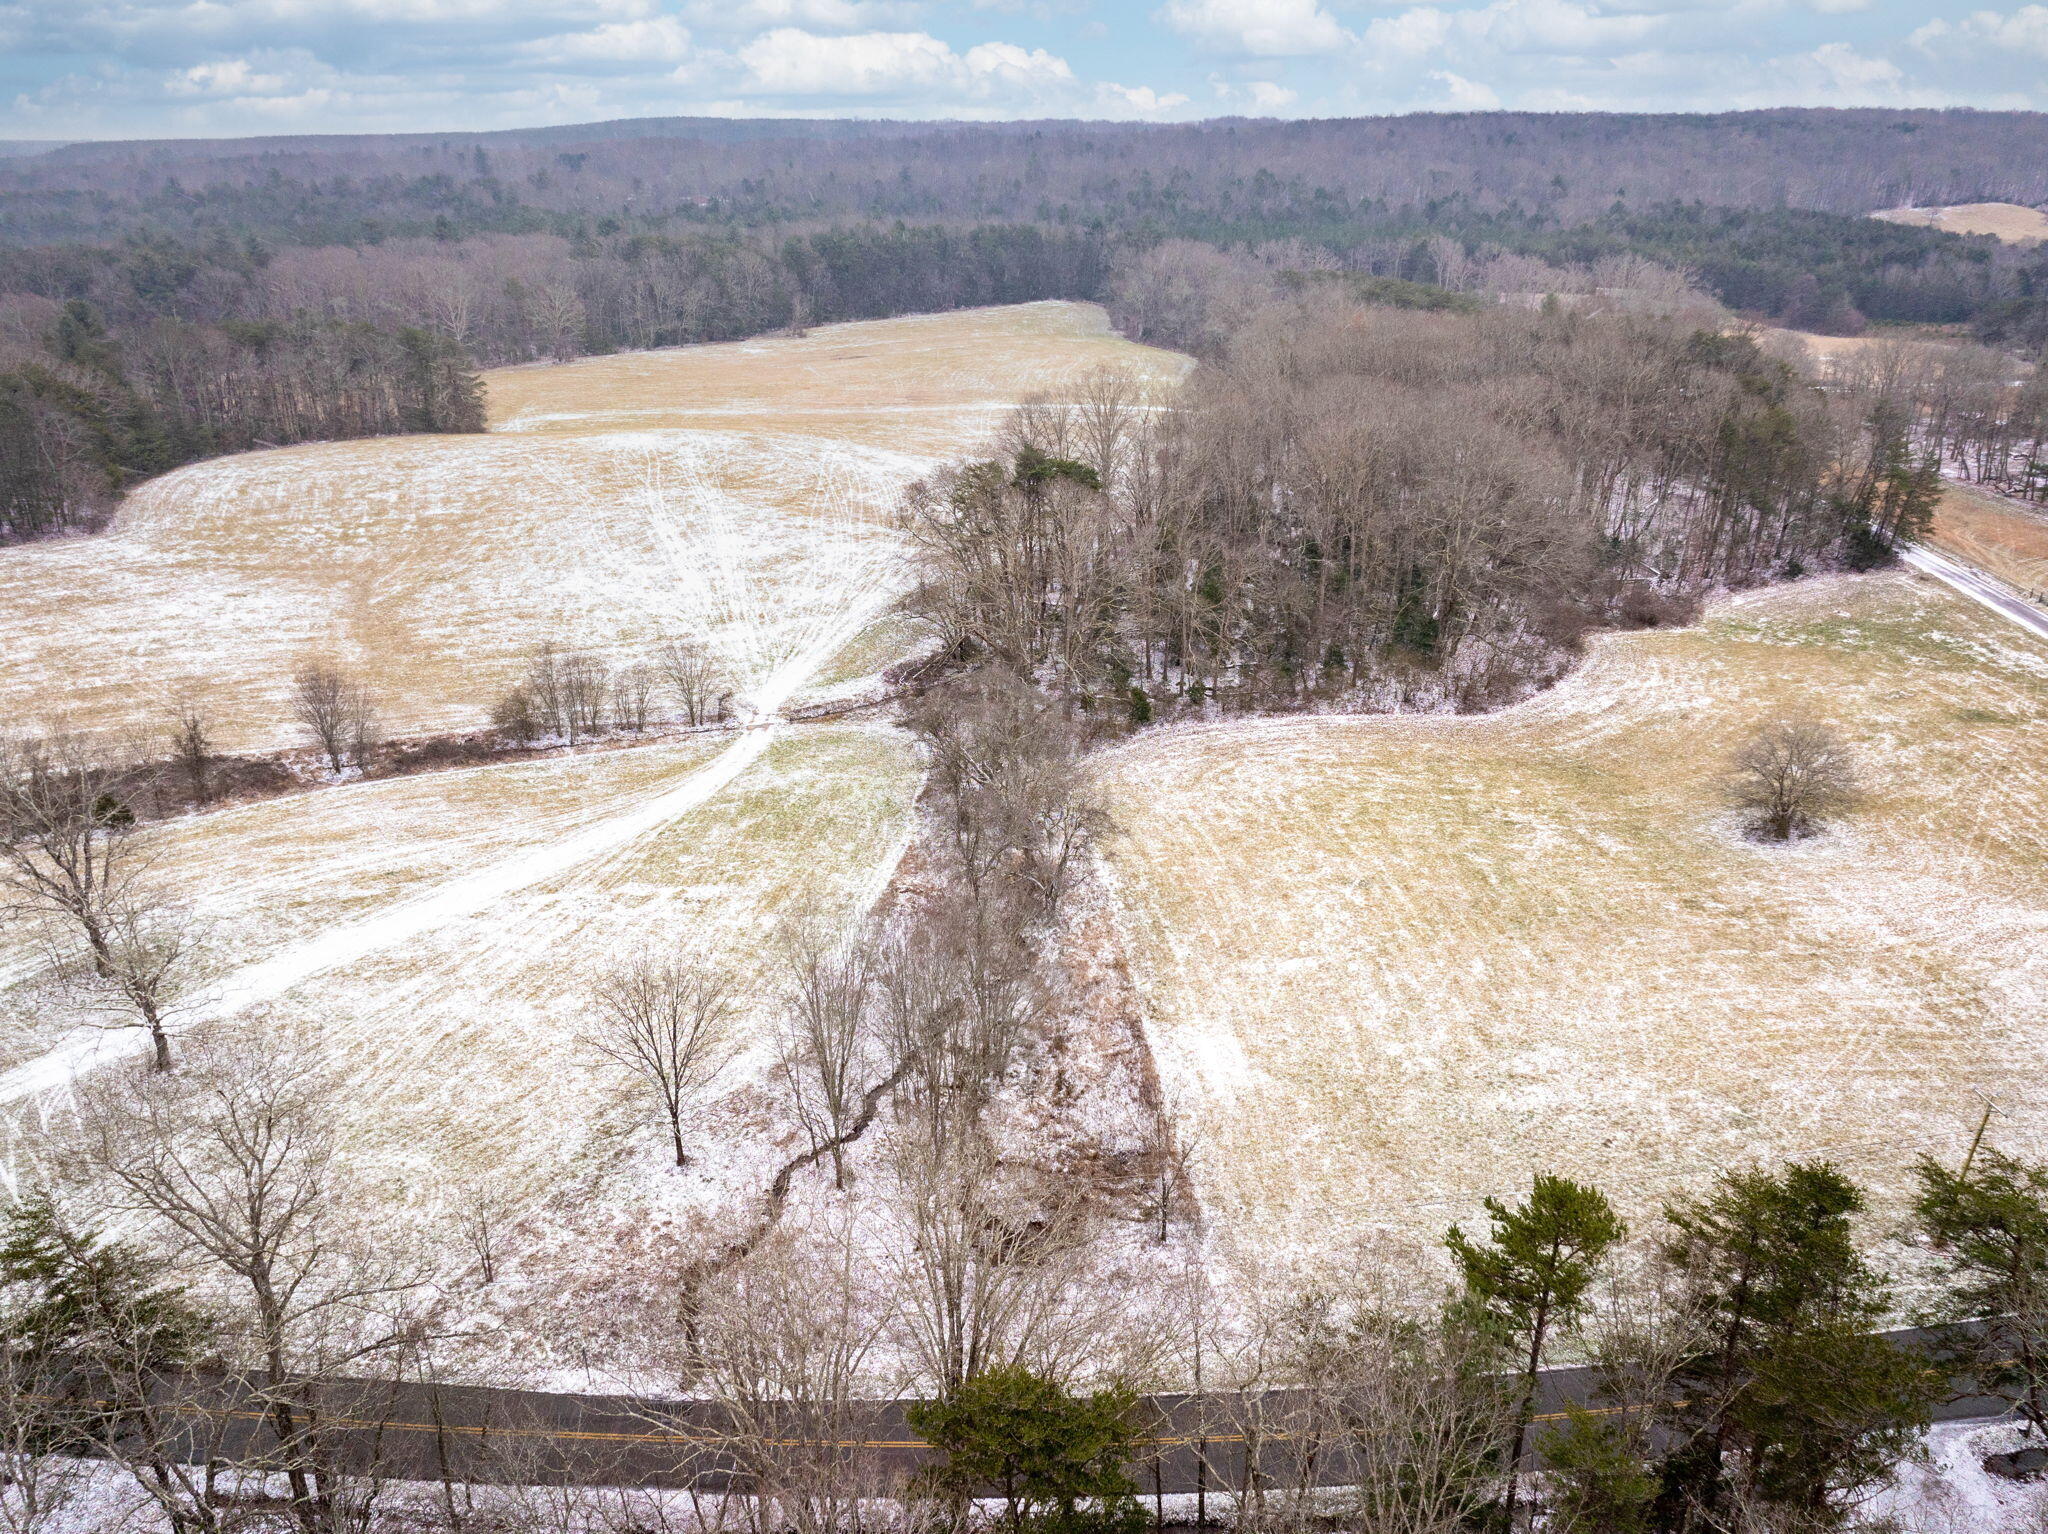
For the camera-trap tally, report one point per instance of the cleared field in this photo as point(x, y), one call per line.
point(457, 1020)
point(2006, 540)
point(741, 494)
point(2010, 221)
point(1394, 965)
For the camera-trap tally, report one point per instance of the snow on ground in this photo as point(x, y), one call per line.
point(1950, 1491)
point(740, 494)
point(1394, 965)
point(458, 1015)
point(441, 934)
point(1992, 533)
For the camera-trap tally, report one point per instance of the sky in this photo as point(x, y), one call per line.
point(98, 69)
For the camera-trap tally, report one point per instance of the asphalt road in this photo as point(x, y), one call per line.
point(1977, 586)
point(479, 1434)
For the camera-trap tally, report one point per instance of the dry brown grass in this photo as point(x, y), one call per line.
point(2009, 221)
point(1994, 535)
point(740, 493)
point(1397, 964)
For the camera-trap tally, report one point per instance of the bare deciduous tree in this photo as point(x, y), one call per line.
point(695, 677)
point(668, 1024)
point(66, 849)
point(632, 695)
point(826, 1058)
point(1790, 776)
point(991, 1267)
point(789, 1351)
point(566, 691)
point(191, 751)
point(232, 1164)
point(483, 1218)
point(152, 952)
point(336, 710)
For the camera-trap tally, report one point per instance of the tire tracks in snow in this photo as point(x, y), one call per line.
point(254, 985)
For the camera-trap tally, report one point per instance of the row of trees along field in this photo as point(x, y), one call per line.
point(1400, 507)
point(88, 409)
point(163, 302)
point(121, 362)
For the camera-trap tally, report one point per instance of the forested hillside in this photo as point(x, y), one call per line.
point(164, 301)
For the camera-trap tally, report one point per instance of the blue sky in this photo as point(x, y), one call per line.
point(157, 68)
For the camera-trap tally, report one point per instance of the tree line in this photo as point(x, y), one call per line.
point(1386, 507)
point(88, 409)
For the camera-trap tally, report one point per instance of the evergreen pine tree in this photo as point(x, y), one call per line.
point(1530, 1279)
point(1794, 1405)
point(1990, 1221)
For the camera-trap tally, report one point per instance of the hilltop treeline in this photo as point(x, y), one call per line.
point(1768, 206)
point(1388, 508)
point(87, 409)
point(1241, 179)
point(121, 362)
point(278, 290)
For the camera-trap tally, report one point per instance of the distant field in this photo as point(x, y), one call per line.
point(2008, 541)
point(742, 494)
point(1395, 965)
point(2009, 221)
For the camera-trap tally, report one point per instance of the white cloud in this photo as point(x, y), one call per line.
point(1842, 71)
point(2024, 31)
point(811, 15)
point(658, 40)
point(1412, 34)
point(791, 62)
point(224, 77)
point(1546, 27)
point(1258, 95)
point(1258, 28)
point(1463, 95)
point(1136, 100)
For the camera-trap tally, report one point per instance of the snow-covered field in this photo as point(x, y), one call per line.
point(1394, 965)
point(440, 936)
point(741, 494)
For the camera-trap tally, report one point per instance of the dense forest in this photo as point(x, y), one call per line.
point(164, 301)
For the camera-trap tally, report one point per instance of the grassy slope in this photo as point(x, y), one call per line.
point(1399, 964)
point(739, 493)
point(466, 1074)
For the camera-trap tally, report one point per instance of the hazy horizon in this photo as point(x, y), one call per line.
point(118, 69)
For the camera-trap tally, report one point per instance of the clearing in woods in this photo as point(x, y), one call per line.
point(740, 494)
point(2010, 221)
point(1394, 965)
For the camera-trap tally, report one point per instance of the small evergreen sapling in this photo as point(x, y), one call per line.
point(1056, 1459)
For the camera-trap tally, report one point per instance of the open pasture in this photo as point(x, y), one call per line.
point(1395, 965)
point(742, 495)
point(441, 935)
point(1998, 536)
point(2010, 221)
